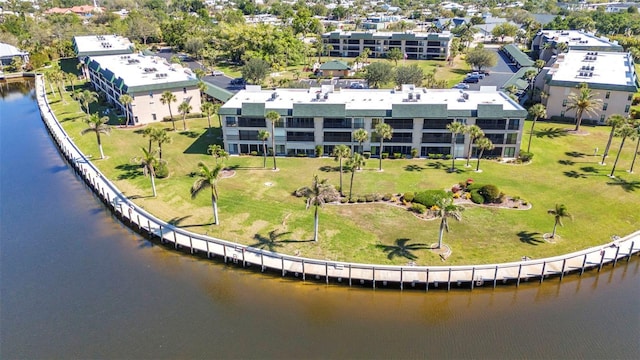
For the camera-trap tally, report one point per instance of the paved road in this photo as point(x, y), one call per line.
point(499, 73)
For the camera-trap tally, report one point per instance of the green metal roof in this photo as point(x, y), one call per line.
point(105, 52)
point(517, 79)
point(253, 109)
point(318, 109)
point(334, 65)
point(217, 92)
point(518, 56)
point(162, 86)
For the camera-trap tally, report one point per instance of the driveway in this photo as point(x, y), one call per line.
point(499, 73)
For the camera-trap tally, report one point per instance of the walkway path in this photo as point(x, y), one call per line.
point(367, 274)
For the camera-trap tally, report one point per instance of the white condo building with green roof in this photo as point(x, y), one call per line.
point(327, 117)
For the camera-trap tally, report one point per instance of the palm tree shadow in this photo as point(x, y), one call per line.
point(566, 162)
point(575, 154)
point(129, 171)
point(628, 186)
point(574, 174)
point(402, 249)
point(177, 220)
point(413, 167)
point(270, 242)
point(529, 237)
point(328, 168)
point(590, 170)
point(438, 165)
point(550, 132)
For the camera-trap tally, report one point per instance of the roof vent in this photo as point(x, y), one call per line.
point(274, 95)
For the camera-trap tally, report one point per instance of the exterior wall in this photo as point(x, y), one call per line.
point(506, 133)
point(618, 102)
point(146, 107)
point(418, 48)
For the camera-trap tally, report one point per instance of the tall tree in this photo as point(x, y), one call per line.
point(208, 109)
point(317, 195)
point(184, 109)
point(626, 130)
point(255, 70)
point(161, 136)
point(536, 112)
point(341, 152)
point(97, 125)
point(217, 152)
point(149, 162)
point(394, 55)
point(411, 74)
point(208, 179)
point(635, 153)
point(559, 212)
point(126, 100)
point(273, 117)
point(378, 73)
point(483, 144)
point(480, 58)
point(355, 162)
point(383, 131)
point(360, 135)
point(474, 132)
point(584, 101)
point(263, 135)
point(446, 209)
point(614, 121)
point(166, 99)
point(455, 128)
point(86, 98)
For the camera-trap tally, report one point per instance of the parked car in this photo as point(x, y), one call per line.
point(471, 80)
point(461, 86)
point(477, 74)
point(238, 81)
point(357, 85)
point(217, 73)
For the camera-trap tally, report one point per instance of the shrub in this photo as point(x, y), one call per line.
point(414, 153)
point(352, 200)
point(490, 193)
point(377, 197)
point(343, 200)
point(387, 197)
point(525, 156)
point(301, 155)
point(397, 155)
point(408, 196)
point(162, 170)
point(456, 188)
point(474, 186)
point(385, 155)
point(368, 198)
point(319, 150)
point(429, 198)
point(366, 154)
point(361, 199)
point(254, 153)
point(476, 197)
point(447, 157)
point(636, 100)
point(418, 208)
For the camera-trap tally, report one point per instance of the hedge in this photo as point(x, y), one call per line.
point(429, 198)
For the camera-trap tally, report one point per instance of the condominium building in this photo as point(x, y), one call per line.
point(611, 75)
point(328, 117)
point(97, 45)
point(145, 79)
point(547, 42)
point(415, 46)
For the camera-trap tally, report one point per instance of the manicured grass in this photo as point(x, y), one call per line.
point(257, 201)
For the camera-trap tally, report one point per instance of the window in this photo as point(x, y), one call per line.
point(375, 121)
point(607, 95)
point(358, 123)
point(300, 123)
point(514, 124)
point(436, 123)
point(626, 108)
point(184, 90)
point(400, 123)
point(512, 138)
point(251, 122)
point(491, 124)
point(630, 97)
point(249, 135)
point(151, 95)
point(564, 103)
point(436, 138)
point(495, 138)
point(562, 114)
point(300, 136)
point(231, 121)
point(337, 123)
point(335, 136)
point(604, 106)
point(509, 152)
point(400, 138)
point(602, 118)
point(153, 116)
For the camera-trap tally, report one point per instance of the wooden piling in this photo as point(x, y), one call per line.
point(495, 277)
point(544, 264)
point(519, 272)
point(615, 259)
point(449, 281)
point(303, 275)
point(564, 263)
point(584, 262)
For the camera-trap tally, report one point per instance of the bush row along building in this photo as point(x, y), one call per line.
point(327, 117)
point(114, 70)
point(414, 46)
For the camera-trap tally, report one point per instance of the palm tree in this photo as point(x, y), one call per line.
point(70, 77)
point(483, 144)
point(536, 112)
point(202, 87)
point(317, 195)
point(475, 132)
point(583, 102)
point(184, 109)
point(126, 100)
point(263, 135)
point(530, 75)
point(86, 98)
point(208, 109)
point(217, 152)
point(273, 117)
point(166, 99)
point(360, 135)
point(355, 162)
point(149, 163)
point(635, 154)
point(149, 132)
point(341, 152)
point(614, 121)
point(161, 137)
point(97, 125)
point(455, 128)
point(447, 209)
point(208, 178)
point(626, 130)
point(558, 213)
point(384, 131)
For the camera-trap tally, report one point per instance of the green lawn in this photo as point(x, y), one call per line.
point(257, 201)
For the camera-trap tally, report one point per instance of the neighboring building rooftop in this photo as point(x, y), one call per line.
point(601, 70)
point(410, 101)
point(518, 56)
point(334, 65)
point(386, 35)
point(9, 51)
point(137, 72)
point(579, 40)
point(94, 45)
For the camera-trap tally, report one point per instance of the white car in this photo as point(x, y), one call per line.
point(461, 86)
point(217, 73)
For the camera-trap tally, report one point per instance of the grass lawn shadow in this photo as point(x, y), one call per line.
point(628, 186)
point(129, 171)
point(413, 167)
point(551, 132)
point(566, 162)
point(271, 241)
point(438, 165)
point(328, 168)
point(575, 154)
point(528, 237)
point(575, 174)
point(200, 145)
point(402, 248)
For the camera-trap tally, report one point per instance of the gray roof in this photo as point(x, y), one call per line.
point(9, 51)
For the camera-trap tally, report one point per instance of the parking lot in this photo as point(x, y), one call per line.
point(499, 74)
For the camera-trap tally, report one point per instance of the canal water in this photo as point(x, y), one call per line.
point(75, 283)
